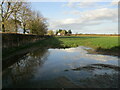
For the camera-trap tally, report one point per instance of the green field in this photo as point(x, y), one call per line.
point(101, 44)
point(94, 42)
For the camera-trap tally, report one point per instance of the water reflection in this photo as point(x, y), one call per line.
point(25, 68)
point(74, 67)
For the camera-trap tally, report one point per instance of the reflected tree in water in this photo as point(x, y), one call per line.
point(26, 67)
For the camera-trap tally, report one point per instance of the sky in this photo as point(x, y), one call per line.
point(80, 17)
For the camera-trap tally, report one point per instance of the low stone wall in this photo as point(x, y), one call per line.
point(15, 40)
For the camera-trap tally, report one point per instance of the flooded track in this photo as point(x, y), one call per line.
point(62, 68)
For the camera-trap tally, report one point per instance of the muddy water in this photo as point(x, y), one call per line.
point(62, 68)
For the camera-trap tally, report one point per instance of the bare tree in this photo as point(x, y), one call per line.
point(5, 12)
point(7, 8)
point(24, 15)
point(16, 12)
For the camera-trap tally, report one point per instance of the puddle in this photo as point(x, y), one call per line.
point(70, 67)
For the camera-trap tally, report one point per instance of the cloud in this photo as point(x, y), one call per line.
point(100, 14)
point(84, 17)
point(79, 4)
point(115, 2)
point(91, 17)
point(87, 4)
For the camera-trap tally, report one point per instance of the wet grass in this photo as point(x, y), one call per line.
point(97, 66)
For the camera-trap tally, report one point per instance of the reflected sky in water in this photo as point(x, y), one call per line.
point(41, 65)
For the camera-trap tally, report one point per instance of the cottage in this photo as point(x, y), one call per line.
point(59, 34)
